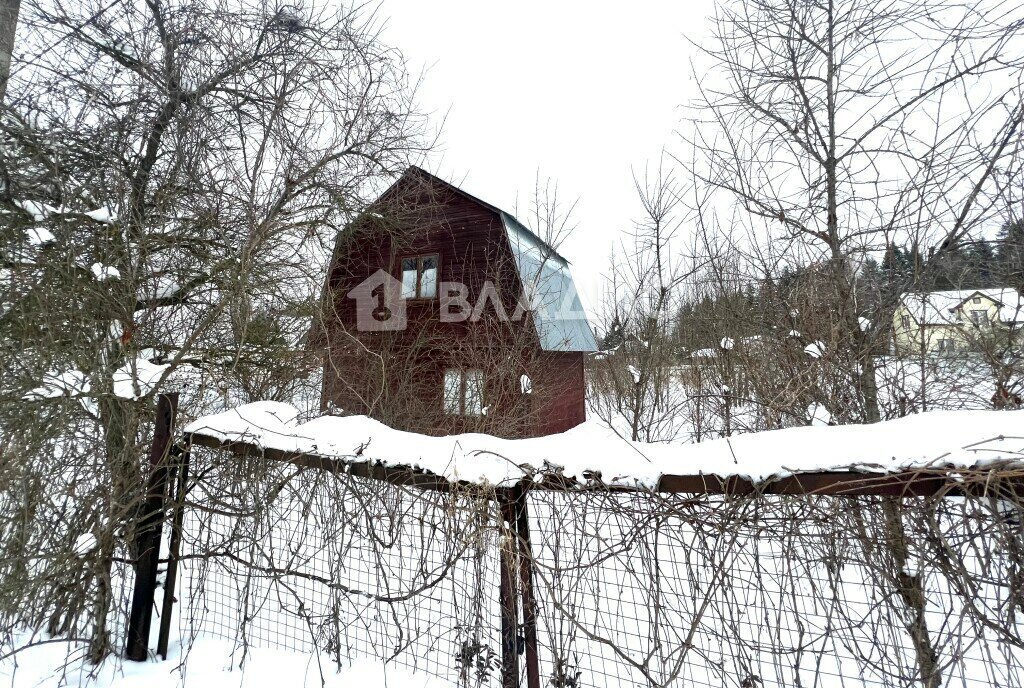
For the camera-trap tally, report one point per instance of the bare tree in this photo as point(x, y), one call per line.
point(838, 126)
point(635, 382)
point(832, 128)
point(8, 27)
point(173, 174)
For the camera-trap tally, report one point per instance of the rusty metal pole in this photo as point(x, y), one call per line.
point(147, 541)
point(527, 590)
point(174, 547)
point(507, 592)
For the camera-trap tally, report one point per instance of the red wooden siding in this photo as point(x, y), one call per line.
point(398, 376)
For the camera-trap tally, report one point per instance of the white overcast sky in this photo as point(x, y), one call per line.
point(583, 92)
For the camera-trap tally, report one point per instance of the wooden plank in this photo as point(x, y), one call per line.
point(404, 476)
point(507, 592)
point(841, 483)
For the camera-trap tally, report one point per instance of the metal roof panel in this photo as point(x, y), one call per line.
point(557, 311)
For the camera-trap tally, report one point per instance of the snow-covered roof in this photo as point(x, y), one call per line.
point(938, 439)
point(939, 307)
point(557, 312)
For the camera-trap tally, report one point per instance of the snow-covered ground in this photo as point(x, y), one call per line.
point(209, 665)
point(597, 561)
point(692, 403)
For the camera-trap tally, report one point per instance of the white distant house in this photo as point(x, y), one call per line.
point(958, 320)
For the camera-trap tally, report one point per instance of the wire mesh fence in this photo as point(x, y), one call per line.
point(631, 588)
point(784, 591)
point(309, 560)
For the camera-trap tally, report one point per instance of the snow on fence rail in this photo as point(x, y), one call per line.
point(925, 445)
point(454, 558)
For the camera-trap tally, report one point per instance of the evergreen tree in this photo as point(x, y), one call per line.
point(983, 269)
point(1010, 255)
point(614, 336)
point(897, 271)
point(946, 271)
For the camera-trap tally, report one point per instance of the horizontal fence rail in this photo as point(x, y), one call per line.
point(917, 482)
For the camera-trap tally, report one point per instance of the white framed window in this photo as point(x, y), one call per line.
point(976, 299)
point(979, 318)
point(419, 277)
point(906, 322)
point(947, 346)
point(463, 392)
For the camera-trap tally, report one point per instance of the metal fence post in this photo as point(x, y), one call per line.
point(527, 591)
point(147, 541)
point(507, 591)
point(517, 591)
point(174, 547)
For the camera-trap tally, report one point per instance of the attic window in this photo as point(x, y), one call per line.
point(419, 277)
point(977, 299)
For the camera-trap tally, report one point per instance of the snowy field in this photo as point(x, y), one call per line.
point(209, 665)
point(694, 405)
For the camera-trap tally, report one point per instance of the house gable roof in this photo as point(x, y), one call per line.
point(939, 307)
point(557, 312)
point(419, 171)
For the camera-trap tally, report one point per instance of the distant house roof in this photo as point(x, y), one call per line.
point(939, 307)
point(558, 314)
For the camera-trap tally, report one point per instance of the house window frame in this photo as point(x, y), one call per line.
point(419, 258)
point(979, 317)
point(946, 345)
point(463, 396)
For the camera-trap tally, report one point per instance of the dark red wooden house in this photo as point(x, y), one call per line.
point(443, 313)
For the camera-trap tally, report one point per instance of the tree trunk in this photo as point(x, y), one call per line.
point(8, 25)
point(912, 593)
